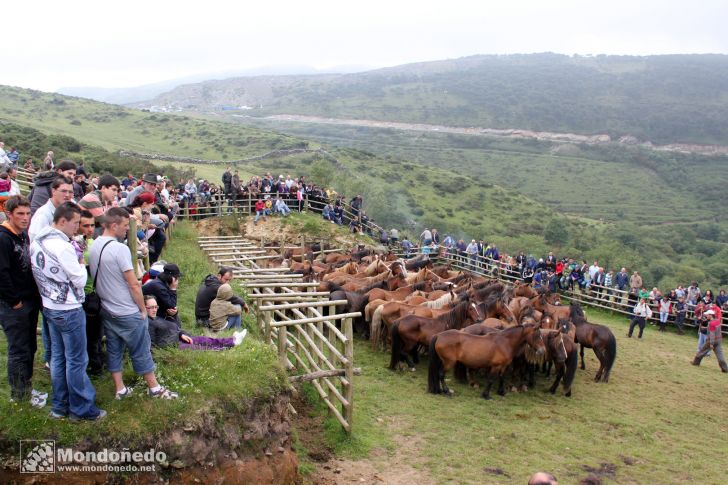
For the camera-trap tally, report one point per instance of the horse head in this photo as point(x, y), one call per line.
point(473, 311)
point(534, 339)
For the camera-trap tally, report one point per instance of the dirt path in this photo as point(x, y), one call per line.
point(508, 133)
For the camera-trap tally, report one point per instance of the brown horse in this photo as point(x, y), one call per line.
point(523, 289)
point(493, 352)
point(411, 330)
point(561, 350)
point(544, 303)
point(597, 337)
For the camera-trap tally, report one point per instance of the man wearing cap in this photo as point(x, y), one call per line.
point(714, 340)
point(164, 289)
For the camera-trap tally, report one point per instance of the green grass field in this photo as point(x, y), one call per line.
point(658, 420)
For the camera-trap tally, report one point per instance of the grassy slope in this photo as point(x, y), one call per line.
point(208, 382)
point(657, 409)
point(114, 128)
point(660, 98)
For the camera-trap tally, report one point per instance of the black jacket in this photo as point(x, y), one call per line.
point(164, 333)
point(41, 190)
point(16, 275)
point(207, 293)
point(166, 297)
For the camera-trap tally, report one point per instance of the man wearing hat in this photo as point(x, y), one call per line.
point(714, 340)
point(158, 239)
point(164, 290)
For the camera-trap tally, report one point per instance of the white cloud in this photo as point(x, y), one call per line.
point(135, 42)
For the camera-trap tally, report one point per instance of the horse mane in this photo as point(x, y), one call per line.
point(379, 284)
point(576, 313)
point(527, 311)
point(439, 302)
point(455, 317)
point(419, 286)
point(333, 286)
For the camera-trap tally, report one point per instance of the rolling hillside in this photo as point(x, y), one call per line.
point(664, 99)
point(499, 204)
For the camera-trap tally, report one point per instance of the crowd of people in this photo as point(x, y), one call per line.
point(65, 256)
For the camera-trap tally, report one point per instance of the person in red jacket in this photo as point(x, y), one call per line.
point(714, 340)
point(259, 210)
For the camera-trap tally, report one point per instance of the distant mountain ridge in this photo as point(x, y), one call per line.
point(146, 92)
point(663, 99)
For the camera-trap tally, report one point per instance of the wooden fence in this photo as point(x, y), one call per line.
point(612, 299)
point(291, 316)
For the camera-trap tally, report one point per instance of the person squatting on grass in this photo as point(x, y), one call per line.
point(19, 300)
point(168, 333)
point(61, 279)
point(208, 292)
point(123, 312)
point(224, 314)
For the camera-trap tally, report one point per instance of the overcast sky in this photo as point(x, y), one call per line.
point(47, 45)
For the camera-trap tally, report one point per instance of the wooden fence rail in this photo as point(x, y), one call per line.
point(314, 346)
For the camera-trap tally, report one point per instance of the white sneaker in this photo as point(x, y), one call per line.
point(37, 402)
point(38, 394)
point(239, 336)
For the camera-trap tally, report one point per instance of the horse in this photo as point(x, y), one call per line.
point(597, 337)
point(349, 269)
point(523, 289)
point(562, 352)
point(399, 293)
point(416, 264)
point(542, 303)
point(356, 301)
point(411, 330)
point(493, 352)
point(520, 306)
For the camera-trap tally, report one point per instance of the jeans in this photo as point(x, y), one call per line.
point(705, 350)
point(46, 338)
point(128, 332)
point(701, 341)
point(258, 214)
point(20, 331)
point(637, 321)
point(72, 389)
point(234, 321)
point(94, 334)
point(157, 242)
point(679, 319)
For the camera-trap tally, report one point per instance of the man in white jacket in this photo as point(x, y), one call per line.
point(61, 278)
point(641, 312)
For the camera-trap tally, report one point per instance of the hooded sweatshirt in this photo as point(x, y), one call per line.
point(57, 272)
point(41, 190)
point(221, 307)
point(16, 276)
point(207, 293)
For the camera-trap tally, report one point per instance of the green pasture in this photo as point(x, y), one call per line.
point(658, 420)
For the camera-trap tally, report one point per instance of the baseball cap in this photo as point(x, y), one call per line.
point(172, 269)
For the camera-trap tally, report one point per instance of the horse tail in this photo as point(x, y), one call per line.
point(460, 372)
point(397, 346)
point(572, 362)
point(375, 332)
point(611, 353)
point(434, 368)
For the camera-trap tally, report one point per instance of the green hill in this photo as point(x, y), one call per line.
point(402, 189)
point(664, 99)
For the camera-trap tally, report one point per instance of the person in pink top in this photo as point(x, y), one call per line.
point(714, 340)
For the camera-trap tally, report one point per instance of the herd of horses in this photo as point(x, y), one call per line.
point(463, 322)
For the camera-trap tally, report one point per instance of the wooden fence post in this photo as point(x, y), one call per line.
point(283, 345)
point(303, 248)
point(323, 254)
point(131, 241)
point(347, 327)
